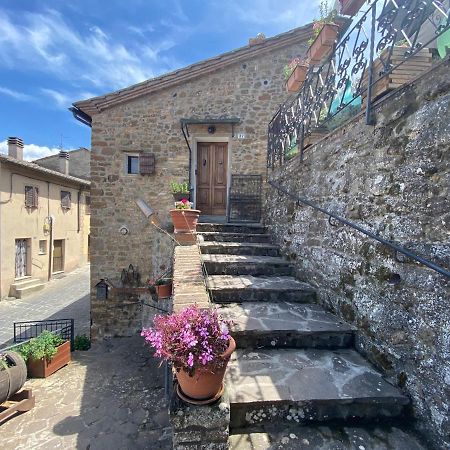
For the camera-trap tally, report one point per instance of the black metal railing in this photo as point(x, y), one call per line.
point(344, 83)
point(245, 198)
point(24, 331)
point(397, 248)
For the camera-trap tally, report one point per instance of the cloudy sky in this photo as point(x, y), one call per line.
point(55, 52)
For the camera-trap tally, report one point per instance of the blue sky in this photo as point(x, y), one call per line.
point(55, 52)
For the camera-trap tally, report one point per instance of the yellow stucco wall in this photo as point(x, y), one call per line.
point(19, 222)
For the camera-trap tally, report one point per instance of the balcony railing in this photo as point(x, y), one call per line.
point(386, 42)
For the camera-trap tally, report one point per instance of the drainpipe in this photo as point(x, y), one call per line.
point(190, 157)
point(78, 212)
point(50, 249)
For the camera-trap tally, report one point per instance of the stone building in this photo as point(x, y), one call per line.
point(44, 221)
point(204, 123)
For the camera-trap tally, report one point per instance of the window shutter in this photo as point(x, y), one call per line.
point(36, 197)
point(65, 199)
point(29, 194)
point(147, 164)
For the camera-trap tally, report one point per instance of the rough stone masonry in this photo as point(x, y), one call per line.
point(393, 179)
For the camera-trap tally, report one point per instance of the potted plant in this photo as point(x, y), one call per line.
point(351, 7)
point(295, 74)
point(45, 354)
point(184, 218)
point(198, 344)
point(163, 288)
point(180, 191)
point(325, 33)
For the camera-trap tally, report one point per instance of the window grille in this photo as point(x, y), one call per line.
point(31, 196)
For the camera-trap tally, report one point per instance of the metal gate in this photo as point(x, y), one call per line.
point(245, 198)
point(21, 258)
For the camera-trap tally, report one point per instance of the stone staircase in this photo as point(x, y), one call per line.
point(295, 362)
point(25, 286)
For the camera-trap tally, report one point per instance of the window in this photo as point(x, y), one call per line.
point(66, 199)
point(43, 247)
point(31, 196)
point(87, 200)
point(132, 164)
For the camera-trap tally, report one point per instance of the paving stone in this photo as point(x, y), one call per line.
point(242, 288)
point(307, 385)
point(286, 325)
point(246, 265)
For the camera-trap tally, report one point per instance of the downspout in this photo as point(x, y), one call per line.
point(190, 158)
point(78, 212)
point(50, 244)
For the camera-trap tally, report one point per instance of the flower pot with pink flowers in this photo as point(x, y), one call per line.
point(295, 73)
point(351, 7)
point(198, 344)
point(184, 218)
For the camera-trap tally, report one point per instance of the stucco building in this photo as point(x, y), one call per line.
point(79, 167)
point(44, 221)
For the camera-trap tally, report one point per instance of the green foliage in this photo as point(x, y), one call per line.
point(179, 188)
point(163, 281)
point(43, 346)
point(82, 342)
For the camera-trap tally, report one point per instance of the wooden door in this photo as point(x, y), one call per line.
point(21, 258)
point(58, 256)
point(212, 161)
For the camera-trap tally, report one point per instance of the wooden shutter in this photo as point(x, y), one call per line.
point(31, 196)
point(147, 164)
point(65, 199)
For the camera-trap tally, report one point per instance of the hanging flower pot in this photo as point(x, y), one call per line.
point(297, 78)
point(163, 288)
point(324, 42)
point(351, 7)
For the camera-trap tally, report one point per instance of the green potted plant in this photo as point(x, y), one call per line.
point(295, 74)
point(45, 354)
point(184, 218)
point(163, 287)
point(180, 190)
point(198, 344)
point(325, 32)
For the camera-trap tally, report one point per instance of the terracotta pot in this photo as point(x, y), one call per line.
point(351, 7)
point(323, 43)
point(164, 290)
point(297, 78)
point(41, 368)
point(180, 195)
point(205, 384)
point(13, 378)
point(184, 220)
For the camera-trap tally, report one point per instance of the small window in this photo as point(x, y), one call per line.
point(66, 200)
point(132, 164)
point(43, 247)
point(31, 196)
point(87, 200)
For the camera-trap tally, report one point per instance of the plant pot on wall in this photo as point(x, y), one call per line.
point(185, 220)
point(205, 385)
point(297, 78)
point(42, 368)
point(164, 290)
point(351, 7)
point(324, 43)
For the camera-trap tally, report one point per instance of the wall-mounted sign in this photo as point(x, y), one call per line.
point(241, 135)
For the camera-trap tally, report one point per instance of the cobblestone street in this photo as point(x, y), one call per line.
point(62, 298)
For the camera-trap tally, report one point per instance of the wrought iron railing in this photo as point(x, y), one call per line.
point(392, 30)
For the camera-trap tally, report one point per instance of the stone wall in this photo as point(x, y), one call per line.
point(250, 89)
point(393, 179)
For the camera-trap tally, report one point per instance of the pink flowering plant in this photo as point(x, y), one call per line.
point(183, 204)
point(190, 339)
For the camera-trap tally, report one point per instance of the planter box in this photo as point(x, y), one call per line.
point(405, 73)
point(41, 368)
point(297, 78)
point(351, 7)
point(164, 290)
point(324, 43)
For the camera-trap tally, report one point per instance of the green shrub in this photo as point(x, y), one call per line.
point(43, 346)
point(82, 342)
point(179, 188)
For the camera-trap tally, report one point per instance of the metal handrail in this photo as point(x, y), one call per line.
point(355, 226)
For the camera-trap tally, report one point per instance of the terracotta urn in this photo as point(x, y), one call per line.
point(297, 78)
point(323, 44)
point(205, 383)
point(185, 220)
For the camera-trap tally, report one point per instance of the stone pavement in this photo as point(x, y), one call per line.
point(110, 397)
point(62, 298)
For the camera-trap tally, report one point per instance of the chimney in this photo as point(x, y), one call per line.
point(64, 162)
point(15, 148)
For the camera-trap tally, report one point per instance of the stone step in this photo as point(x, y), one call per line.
point(307, 385)
point(245, 288)
point(233, 237)
point(253, 228)
point(246, 265)
point(320, 437)
point(29, 288)
point(23, 282)
point(281, 325)
point(240, 248)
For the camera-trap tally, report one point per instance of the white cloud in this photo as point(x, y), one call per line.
point(61, 100)
point(31, 151)
point(15, 94)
